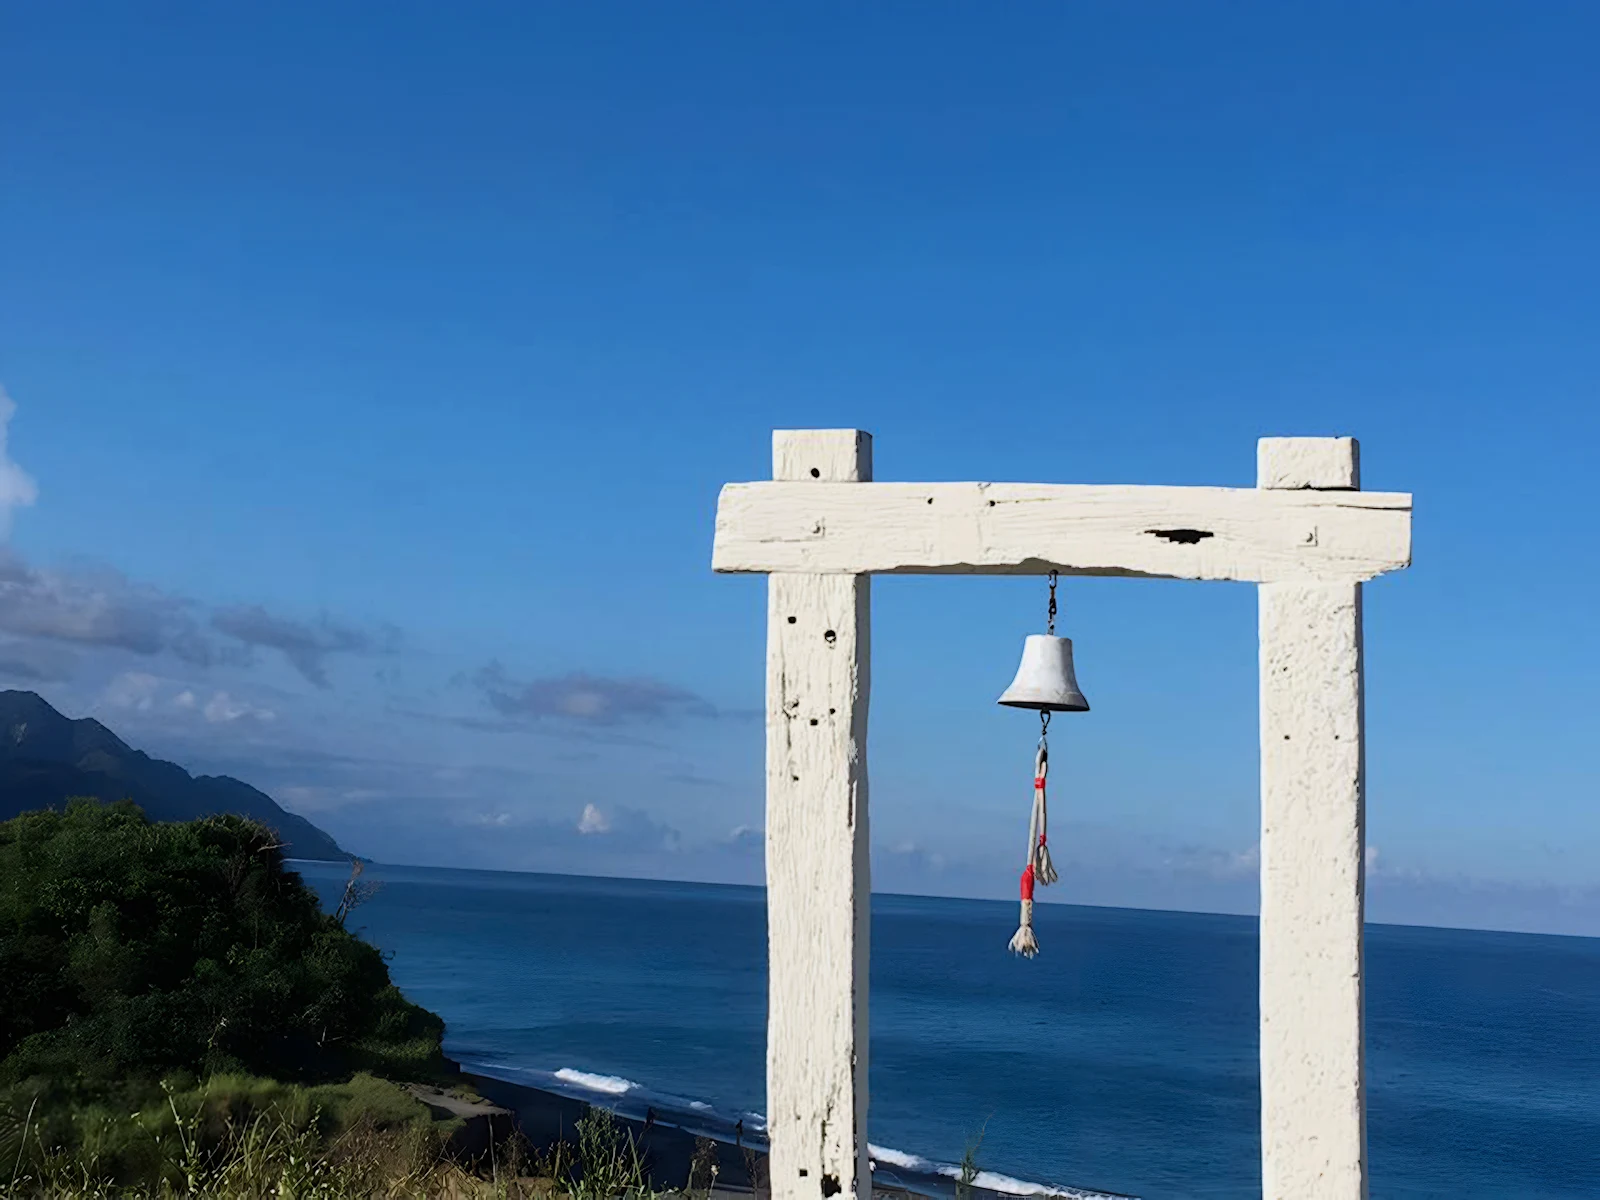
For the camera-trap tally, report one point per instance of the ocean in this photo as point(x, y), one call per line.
point(1121, 1060)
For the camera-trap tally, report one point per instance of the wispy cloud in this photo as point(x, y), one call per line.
point(32, 662)
point(141, 692)
point(587, 699)
point(306, 644)
point(95, 607)
point(626, 827)
point(134, 690)
point(223, 709)
point(17, 487)
point(98, 608)
point(1215, 863)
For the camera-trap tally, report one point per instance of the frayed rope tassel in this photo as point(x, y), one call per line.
point(1024, 943)
point(1043, 869)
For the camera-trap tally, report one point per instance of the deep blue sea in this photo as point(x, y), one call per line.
point(1122, 1059)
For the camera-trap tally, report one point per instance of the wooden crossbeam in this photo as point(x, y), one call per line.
point(1255, 535)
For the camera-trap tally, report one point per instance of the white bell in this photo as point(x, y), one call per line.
point(1045, 680)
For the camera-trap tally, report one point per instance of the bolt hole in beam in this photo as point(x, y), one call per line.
point(816, 473)
point(1183, 537)
point(830, 637)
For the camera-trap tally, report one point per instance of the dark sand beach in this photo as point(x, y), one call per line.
point(667, 1143)
point(546, 1118)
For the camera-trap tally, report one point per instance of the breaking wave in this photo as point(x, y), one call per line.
point(611, 1085)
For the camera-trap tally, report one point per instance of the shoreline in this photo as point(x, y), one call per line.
point(666, 1138)
point(546, 1118)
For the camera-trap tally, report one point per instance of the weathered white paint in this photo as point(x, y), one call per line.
point(1313, 834)
point(1246, 534)
point(1302, 462)
point(1306, 534)
point(818, 872)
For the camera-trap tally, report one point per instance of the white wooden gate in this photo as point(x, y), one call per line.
point(1305, 533)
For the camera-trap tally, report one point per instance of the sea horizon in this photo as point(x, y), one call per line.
point(1041, 897)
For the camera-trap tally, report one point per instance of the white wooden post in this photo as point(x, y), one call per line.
point(1313, 836)
point(818, 871)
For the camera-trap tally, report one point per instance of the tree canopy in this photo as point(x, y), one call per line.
point(130, 948)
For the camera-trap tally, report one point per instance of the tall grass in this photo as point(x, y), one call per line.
point(609, 1161)
point(969, 1165)
point(234, 1136)
point(239, 1138)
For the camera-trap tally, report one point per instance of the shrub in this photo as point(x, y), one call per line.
point(133, 950)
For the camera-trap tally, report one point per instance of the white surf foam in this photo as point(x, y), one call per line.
point(700, 1105)
point(1011, 1186)
point(988, 1180)
point(611, 1085)
point(899, 1158)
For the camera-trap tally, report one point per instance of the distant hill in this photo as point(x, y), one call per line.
point(45, 758)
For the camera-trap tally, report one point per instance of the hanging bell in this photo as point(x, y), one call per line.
point(1046, 680)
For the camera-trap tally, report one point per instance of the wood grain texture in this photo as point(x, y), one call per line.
point(818, 871)
point(1249, 534)
point(1313, 837)
point(1308, 462)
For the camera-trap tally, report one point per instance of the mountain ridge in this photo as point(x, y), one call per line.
point(47, 758)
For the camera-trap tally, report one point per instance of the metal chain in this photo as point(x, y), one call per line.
point(1050, 628)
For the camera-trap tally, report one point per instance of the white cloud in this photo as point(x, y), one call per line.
point(911, 853)
point(17, 488)
point(142, 692)
point(223, 709)
point(134, 690)
point(314, 798)
point(593, 821)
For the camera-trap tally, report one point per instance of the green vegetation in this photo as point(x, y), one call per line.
point(969, 1165)
point(130, 949)
point(241, 1137)
point(229, 1136)
point(608, 1160)
point(178, 1016)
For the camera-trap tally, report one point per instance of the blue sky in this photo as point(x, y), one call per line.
point(375, 370)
